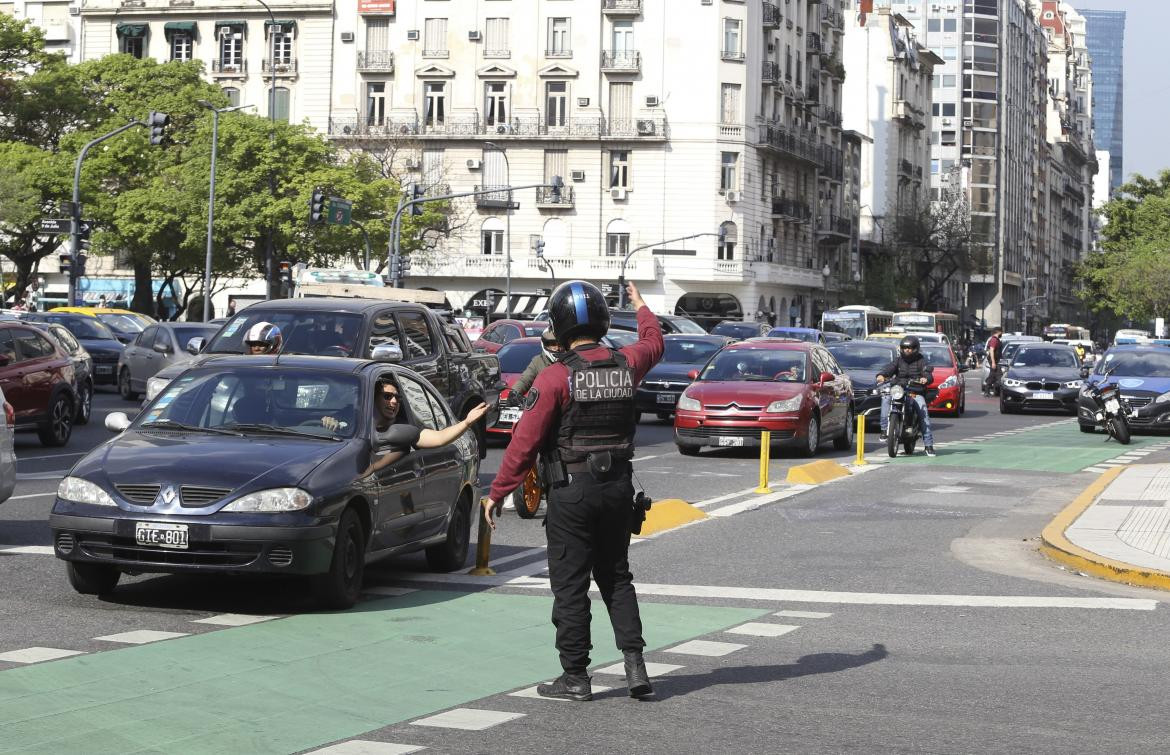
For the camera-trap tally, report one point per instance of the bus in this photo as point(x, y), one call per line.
point(934, 322)
point(857, 321)
point(1070, 332)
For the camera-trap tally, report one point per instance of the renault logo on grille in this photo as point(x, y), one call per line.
point(168, 495)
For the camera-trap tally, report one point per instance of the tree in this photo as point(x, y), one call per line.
point(931, 245)
point(31, 179)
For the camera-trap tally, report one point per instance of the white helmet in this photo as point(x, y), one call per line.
point(264, 334)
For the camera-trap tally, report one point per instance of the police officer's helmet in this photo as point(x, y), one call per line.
point(266, 335)
point(577, 309)
point(911, 343)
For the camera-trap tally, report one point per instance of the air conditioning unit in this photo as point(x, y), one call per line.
point(947, 121)
point(412, 35)
point(577, 175)
point(617, 193)
point(474, 36)
point(732, 197)
point(412, 163)
point(474, 164)
point(645, 128)
point(504, 128)
point(968, 123)
point(582, 102)
point(74, 10)
point(347, 36)
point(652, 101)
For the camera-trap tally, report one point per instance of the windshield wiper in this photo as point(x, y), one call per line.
point(273, 429)
point(171, 424)
point(762, 378)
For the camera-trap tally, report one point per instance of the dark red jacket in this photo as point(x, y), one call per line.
point(552, 397)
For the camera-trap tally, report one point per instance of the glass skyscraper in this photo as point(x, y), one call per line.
point(1106, 42)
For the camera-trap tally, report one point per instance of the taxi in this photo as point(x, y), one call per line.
point(125, 324)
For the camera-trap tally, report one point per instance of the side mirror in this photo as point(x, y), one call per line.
point(162, 348)
point(386, 352)
point(400, 437)
point(1084, 373)
point(116, 422)
point(195, 345)
point(827, 377)
point(4, 360)
point(693, 375)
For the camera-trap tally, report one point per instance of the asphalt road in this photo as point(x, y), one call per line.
point(917, 618)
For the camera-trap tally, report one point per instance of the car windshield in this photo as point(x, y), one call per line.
point(185, 333)
point(85, 327)
point(861, 356)
point(1046, 358)
point(122, 323)
point(303, 332)
point(515, 356)
point(261, 401)
point(736, 330)
point(683, 325)
point(622, 338)
point(757, 364)
point(807, 336)
point(1144, 364)
point(688, 350)
point(938, 356)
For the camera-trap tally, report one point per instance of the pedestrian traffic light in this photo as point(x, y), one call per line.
point(286, 272)
point(416, 193)
point(79, 267)
point(64, 262)
point(317, 207)
point(540, 248)
point(395, 268)
point(157, 122)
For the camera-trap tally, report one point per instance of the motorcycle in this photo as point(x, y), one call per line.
point(1112, 410)
point(905, 422)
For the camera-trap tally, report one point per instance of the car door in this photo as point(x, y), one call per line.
point(39, 363)
point(138, 355)
point(843, 385)
point(164, 340)
point(826, 393)
point(394, 488)
point(440, 472)
point(12, 377)
point(420, 352)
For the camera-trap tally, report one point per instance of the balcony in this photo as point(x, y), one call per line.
point(832, 17)
point(356, 127)
point(558, 52)
point(734, 55)
point(621, 61)
point(381, 61)
point(286, 67)
point(545, 198)
point(836, 227)
point(229, 67)
point(770, 73)
point(813, 45)
point(831, 116)
point(497, 200)
point(621, 7)
point(464, 123)
point(787, 143)
point(405, 124)
point(791, 209)
point(905, 168)
point(771, 15)
point(832, 163)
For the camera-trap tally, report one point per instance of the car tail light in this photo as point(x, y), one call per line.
point(9, 414)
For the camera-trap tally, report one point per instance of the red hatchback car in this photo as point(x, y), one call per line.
point(514, 358)
point(948, 380)
point(37, 380)
point(501, 332)
point(793, 389)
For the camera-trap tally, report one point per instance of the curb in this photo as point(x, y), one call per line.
point(1057, 547)
point(668, 514)
point(816, 472)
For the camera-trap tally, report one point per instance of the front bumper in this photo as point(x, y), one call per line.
point(947, 400)
point(696, 430)
point(657, 401)
point(105, 373)
point(1020, 397)
point(255, 549)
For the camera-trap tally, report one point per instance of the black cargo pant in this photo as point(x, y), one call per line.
point(588, 530)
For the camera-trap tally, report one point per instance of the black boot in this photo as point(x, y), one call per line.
point(567, 687)
point(636, 677)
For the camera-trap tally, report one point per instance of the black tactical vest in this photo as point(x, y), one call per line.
point(600, 415)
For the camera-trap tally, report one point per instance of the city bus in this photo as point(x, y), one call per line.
point(857, 321)
point(1071, 332)
point(935, 322)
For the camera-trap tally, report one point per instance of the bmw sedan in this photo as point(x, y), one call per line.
point(664, 383)
point(259, 465)
point(1041, 376)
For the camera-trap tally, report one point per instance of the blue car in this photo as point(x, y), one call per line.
point(1143, 374)
point(808, 335)
point(664, 383)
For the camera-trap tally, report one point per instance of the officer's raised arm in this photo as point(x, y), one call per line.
point(648, 350)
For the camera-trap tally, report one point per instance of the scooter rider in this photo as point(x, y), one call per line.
point(580, 416)
point(550, 351)
point(911, 367)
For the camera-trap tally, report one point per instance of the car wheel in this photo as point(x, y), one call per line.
point(84, 404)
point(688, 450)
point(813, 437)
point(1004, 408)
point(451, 554)
point(844, 441)
point(528, 501)
point(92, 579)
point(341, 586)
point(124, 386)
point(58, 427)
point(962, 405)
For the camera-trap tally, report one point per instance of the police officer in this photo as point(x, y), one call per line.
point(580, 417)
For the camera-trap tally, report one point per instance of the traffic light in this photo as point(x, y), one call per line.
point(395, 269)
point(404, 268)
point(79, 268)
point(416, 193)
point(286, 274)
point(317, 207)
point(64, 262)
point(285, 277)
point(157, 122)
point(540, 248)
point(557, 184)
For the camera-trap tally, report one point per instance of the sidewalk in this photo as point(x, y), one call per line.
point(1118, 528)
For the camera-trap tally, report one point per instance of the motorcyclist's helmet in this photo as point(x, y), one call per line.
point(577, 309)
point(264, 335)
point(548, 342)
point(910, 343)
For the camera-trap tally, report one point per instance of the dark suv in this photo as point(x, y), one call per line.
point(37, 380)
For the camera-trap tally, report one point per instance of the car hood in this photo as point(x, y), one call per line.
point(102, 346)
point(673, 371)
point(743, 393)
point(1062, 374)
point(862, 378)
point(1152, 384)
point(253, 462)
point(176, 368)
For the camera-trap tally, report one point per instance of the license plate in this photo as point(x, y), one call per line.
point(161, 534)
point(1041, 396)
point(731, 441)
point(1113, 406)
point(667, 398)
point(511, 414)
point(104, 369)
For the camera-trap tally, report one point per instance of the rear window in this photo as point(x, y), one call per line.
point(535, 329)
point(688, 350)
point(938, 356)
point(861, 356)
point(515, 356)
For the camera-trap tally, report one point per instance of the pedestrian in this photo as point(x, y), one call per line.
point(580, 416)
point(550, 350)
point(993, 351)
point(231, 309)
point(102, 302)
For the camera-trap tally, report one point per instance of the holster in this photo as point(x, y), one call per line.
point(551, 469)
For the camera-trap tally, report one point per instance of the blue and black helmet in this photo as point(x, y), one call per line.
point(577, 309)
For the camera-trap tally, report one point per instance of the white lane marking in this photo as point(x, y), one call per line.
point(755, 503)
point(37, 655)
point(140, 636)
point(652, 669)
point(762, 629)
point(802, 614)
point(366, 747)
point(33, 495)
point(944, 489)
point(531, 692)
point(233, 620)
point(468, 719)
point(51, 456)
point(392, 592)
point(721, 498)
point(647, 458)
point(779, 595)
point(37, 550)
point(529, 553)
point(706, 648)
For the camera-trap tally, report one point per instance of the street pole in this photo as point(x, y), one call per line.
point(269, 242)
point(626, 259)
point(211, 200)
point(366, 241)
point(507, 231)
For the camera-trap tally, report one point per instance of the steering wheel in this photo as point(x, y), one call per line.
point(335, 351)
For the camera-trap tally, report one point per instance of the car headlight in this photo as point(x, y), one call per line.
point(1164, 397)
point(274, 500)
point(83, 491)
point(155, 386)
point(897, 392)
point(950, 382)
point(1012, 382)
point(786, 405)
point(688, 404)
point(1077, 384)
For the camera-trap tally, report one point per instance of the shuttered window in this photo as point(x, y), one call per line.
point(435, 44)
point(377, 34)
point(496, 44)
point(556, 163)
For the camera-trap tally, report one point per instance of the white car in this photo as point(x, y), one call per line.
point(7, 451)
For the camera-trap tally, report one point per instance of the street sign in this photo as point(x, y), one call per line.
point(56, 225)
point(340, 211)
point(68, 208)
point(85, 227)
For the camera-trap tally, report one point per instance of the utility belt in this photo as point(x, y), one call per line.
point(555, 471)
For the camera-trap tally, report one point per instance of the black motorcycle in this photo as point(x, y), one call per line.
point(1112, 410)
point(905, 423)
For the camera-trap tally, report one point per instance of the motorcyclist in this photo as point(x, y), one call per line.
point(910, 368)
point(263, 338)
point(550, 349)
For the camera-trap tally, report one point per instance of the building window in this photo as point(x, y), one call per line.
point(727, 171)
point(950, 25)
point(282, 96)
point(435, 102)
point(556, 163)
point(182, 45)
point(948, 139)
point(619, 169)
point(559, 45)
point(949, 79)
point(435, 41)
point(282, 47)
point(934, 167)
point(950, 53)
point(233, 96)
point(623, 38)
point(495, 104)
point(432, 167)
point(496, 43)
point(556, 103)
point(132, 39)
point(726, 249)
point(729, 104)
point(376, 103)
point(617, 244)
point(377, 34)
point(934, 24)
point(492, 237)
point(231, 48)
point(731, 29)
point(621, 105)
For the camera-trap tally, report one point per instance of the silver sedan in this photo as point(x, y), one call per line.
point(159, 346)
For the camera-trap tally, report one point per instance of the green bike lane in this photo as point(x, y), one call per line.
point(300, 682)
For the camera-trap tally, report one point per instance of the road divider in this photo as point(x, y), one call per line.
point(670, 513)
point(816, 472)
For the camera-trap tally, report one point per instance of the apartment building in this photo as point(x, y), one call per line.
point(56, 18)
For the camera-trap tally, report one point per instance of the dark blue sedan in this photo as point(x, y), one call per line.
point(265, 465)
point(664, 383)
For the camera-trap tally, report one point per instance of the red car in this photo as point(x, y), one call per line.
point(37, 379)
point(793, 389)
point(948, 380)
point(514, 357)
point(501, 332)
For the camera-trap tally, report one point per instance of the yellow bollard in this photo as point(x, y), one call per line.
point(860, 440)
point(483, 548)
point(765, 457)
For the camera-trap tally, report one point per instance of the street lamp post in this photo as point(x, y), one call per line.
point(622, 275)
point(211, 199)
point(826, 271)
point(270, 241)
point(507, 230)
